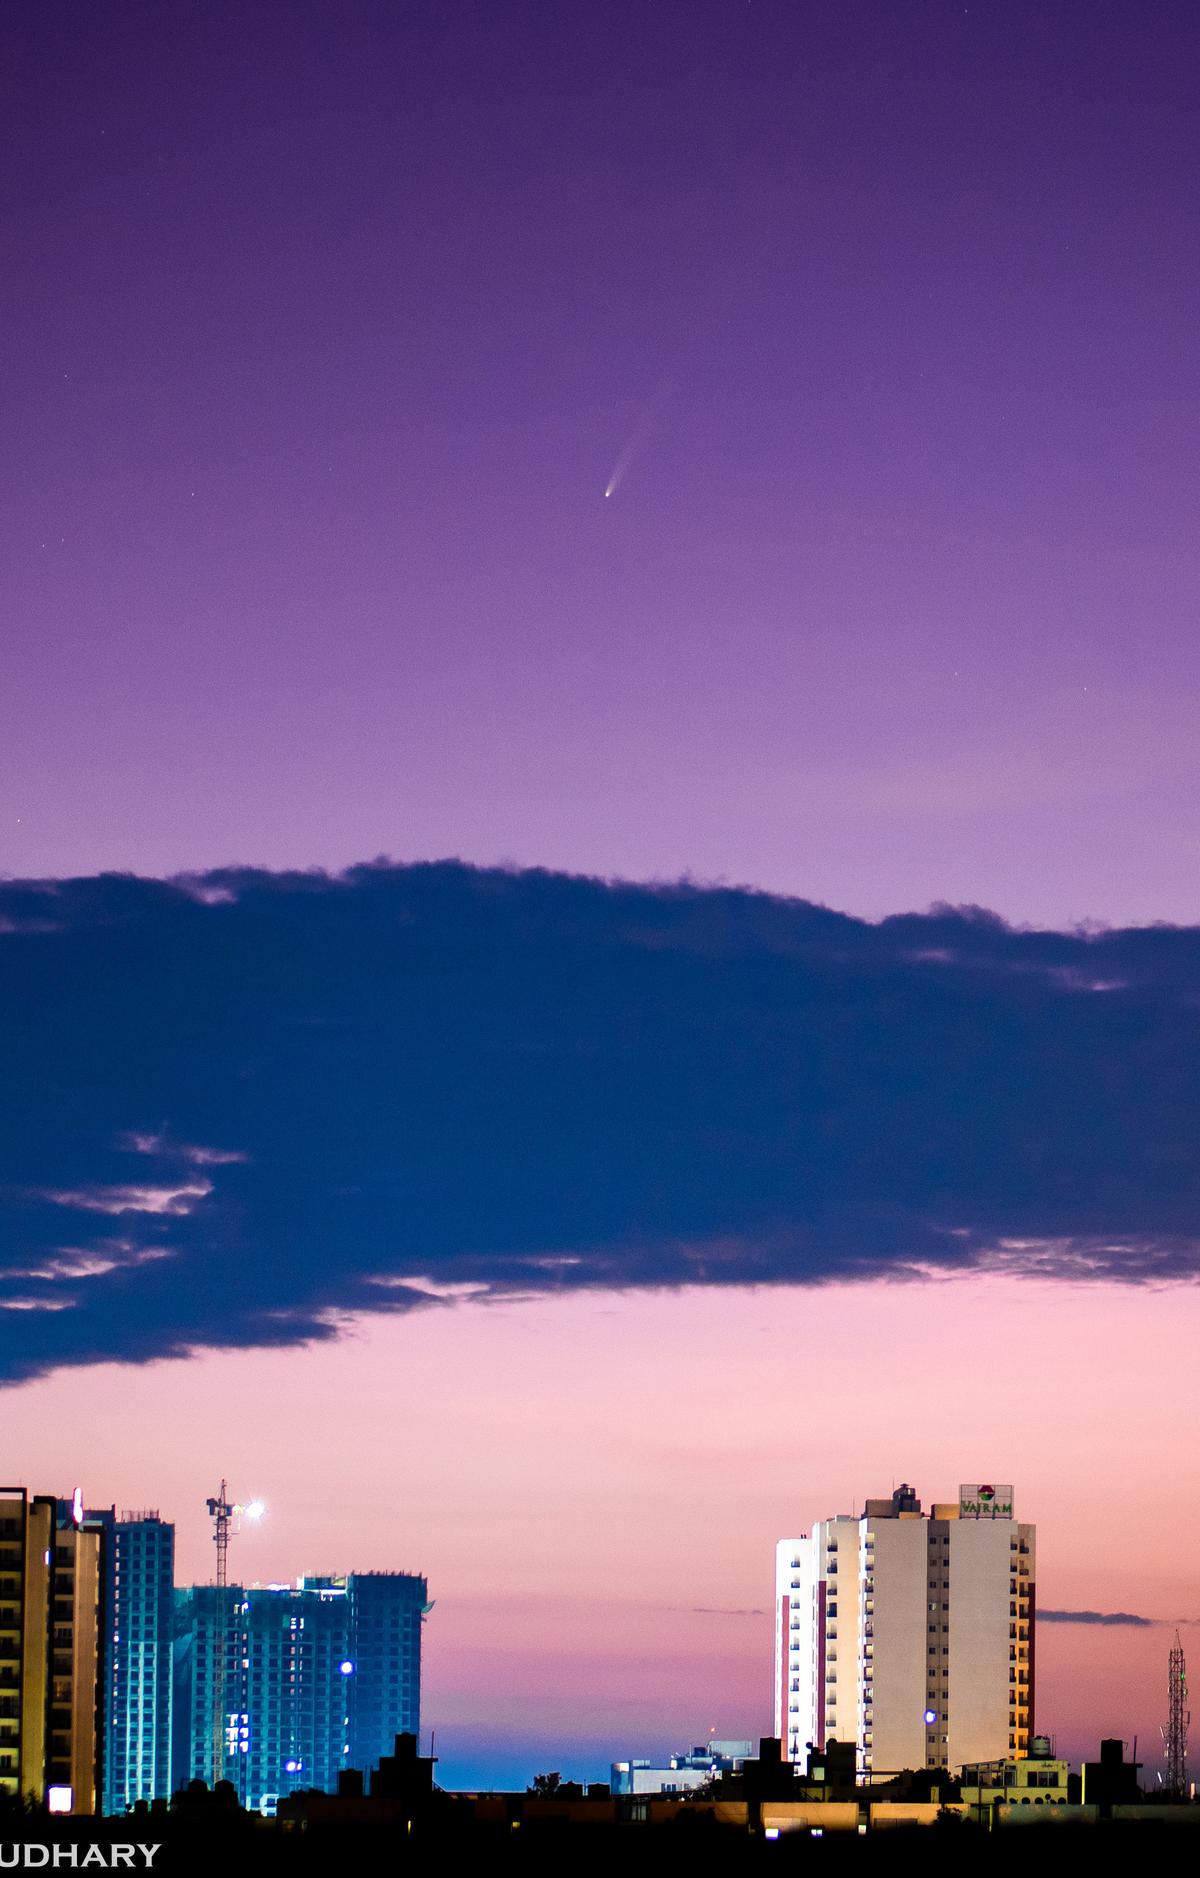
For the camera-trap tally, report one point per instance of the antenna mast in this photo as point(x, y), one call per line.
point(1175, 1734)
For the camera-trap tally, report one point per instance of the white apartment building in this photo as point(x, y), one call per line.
point(910, 1634)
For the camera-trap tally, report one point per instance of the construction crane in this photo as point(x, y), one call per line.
point(1175, 1734)
point(226, 1517)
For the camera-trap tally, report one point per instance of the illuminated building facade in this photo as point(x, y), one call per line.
point(386, 1611)
point(137, 1619)
point(910, 1634)
point(682, 1773)
point(319, 1677)
point(50, 1576)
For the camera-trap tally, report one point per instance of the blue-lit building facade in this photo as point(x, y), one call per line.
point(317, 1677)
point(386, 1613)
point(135, 1656)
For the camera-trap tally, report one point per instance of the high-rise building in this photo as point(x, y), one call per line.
point(318, 1677)
point(910, 1634)
point(50, 1575)
point(386, 1613)
point(137, 1633)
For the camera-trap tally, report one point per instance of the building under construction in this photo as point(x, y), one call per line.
point(308, 1679)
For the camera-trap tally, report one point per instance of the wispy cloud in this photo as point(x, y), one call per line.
point(1113, 1617)
point(116, 1200)
point(1128, 1618)
point(720, 1610)
point(304, 1096)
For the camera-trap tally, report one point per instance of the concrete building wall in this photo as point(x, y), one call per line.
point(782, 1816)
point(885, 1813)
point(895, 1642)
point(841, 1568)
point(795, 1644)
point(643, 1780)
point(817, 1633)
point(33, 1670)
point(26, 1535)
point(49, 1651)
point(982, 1559)
point(1024, 1718)
point(77, 1584)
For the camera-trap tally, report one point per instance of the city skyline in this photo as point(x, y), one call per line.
point(504, 1650)
point(708, 491)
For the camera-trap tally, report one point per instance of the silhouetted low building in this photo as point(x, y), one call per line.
point(833, 1768)
point(1112, 1780)
point(404, 1774)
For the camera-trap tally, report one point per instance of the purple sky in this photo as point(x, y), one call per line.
point(325, 328)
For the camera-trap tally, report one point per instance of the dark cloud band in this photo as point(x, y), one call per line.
point(242, 1106)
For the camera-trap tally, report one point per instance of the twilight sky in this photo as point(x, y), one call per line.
point(326, 329)
point(327, 326)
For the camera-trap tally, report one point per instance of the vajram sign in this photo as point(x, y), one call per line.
point(985, 1502)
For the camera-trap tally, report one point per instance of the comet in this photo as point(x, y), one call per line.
point(636, 442)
